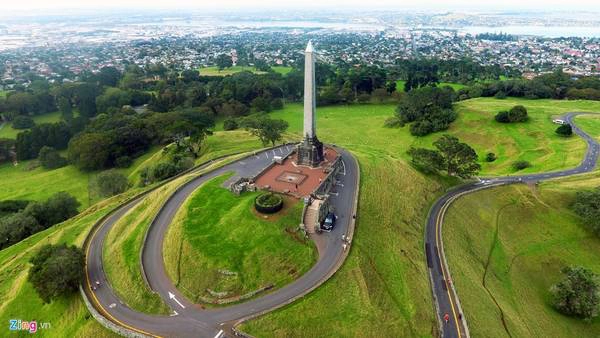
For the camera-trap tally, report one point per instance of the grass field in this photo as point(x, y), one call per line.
point(217, 231)
point(455, 86)
point(8, 132)
point(214, 71)
point(589, 124)
point(68, 317)
point(516, 243)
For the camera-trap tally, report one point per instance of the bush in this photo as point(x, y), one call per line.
point(564, 130)
point(50, 158)
point(500, 95)
point(490, 157)
point(12, 206)
point(363, 98)
point(268, 203)
point(393, 122)
point(421, 128)
point(517, 114)
point(520, 165)
point(110, 183)
point(57, 271)
point(230, 124)
point(164, 170)
point(277, 104)
point(23, 122)
point(578, 294)
point(502, 117)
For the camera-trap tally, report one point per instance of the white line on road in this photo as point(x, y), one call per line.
point(173, 314)
point(219, 334)
point(172, 296)
point(267, 154)
point(344, 166)
point(274, 153)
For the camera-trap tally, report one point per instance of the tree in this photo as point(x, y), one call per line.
point(50, 158)
point(23, 122)
point(564, 130)
point(110, 183)
point(65, 108)
point(223, 61)
point(58, 208)
point(267, 130)
point(459, 158)
point(587, 206)
point(578, 294)
point(16, 227)
point(427, 160)
point(90, 151)
point(6, 149)
point(57, 271)
point(261, 104)
point(490, 157)
point(109, 76)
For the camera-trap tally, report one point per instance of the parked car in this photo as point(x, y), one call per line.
point(329, 222)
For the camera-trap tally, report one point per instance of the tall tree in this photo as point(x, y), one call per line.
point(459, 158)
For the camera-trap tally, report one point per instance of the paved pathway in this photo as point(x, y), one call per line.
point(189, 319)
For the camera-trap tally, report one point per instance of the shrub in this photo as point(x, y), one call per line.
point(502, 117)
point(393, 122)
point(500, 95)
point(230, 124)
point(57, 271)
point(277, 104)
point(520, 165)
point(12, 206)
point(363, 98)
point(50, 158)
point(517, 114)
point(123, 162)
point(268, 203)
point(23, 122)
point(110, 183)
point(421, 128)
point(564, 130)
point(490, 157)
point(578, 294)
point(59, 207)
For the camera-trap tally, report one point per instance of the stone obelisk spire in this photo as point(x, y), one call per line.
point(310, 151)
point(309, 92)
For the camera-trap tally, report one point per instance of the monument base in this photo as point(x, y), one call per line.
point(310, 152)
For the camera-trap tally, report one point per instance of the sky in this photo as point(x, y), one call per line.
point(543, 5)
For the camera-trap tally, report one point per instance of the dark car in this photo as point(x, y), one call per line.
point(329, 222)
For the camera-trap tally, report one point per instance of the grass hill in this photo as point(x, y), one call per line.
point(216, 231)
point(505, 257)
point(383, 286)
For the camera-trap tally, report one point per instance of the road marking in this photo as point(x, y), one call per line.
point(172, 296)
point(343, 166)
point(334, 193)
point(173, 314)
point(274, 153)
point(219, 334)
point(112, 306)
point(340, 184)
point(267, 154)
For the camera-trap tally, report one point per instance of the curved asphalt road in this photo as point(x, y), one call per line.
point(188, 319)
point(445, 297)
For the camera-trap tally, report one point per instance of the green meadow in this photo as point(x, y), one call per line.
point(453, 85)
point(218, 242)
point(8, 132)
point(214, 71)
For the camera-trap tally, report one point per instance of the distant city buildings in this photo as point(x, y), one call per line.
point(67, 50)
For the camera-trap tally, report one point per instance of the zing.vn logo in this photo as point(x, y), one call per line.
point(29, 326)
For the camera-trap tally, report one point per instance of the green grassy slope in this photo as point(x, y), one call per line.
point(516, 242)
point(68, 317)
point(217, 231)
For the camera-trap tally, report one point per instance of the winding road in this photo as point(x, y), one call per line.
point(189, 319)
point(445, 297)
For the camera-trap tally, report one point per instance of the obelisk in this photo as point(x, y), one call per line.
point(310, 151)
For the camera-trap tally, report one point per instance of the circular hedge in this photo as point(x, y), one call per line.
point(268, 203)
